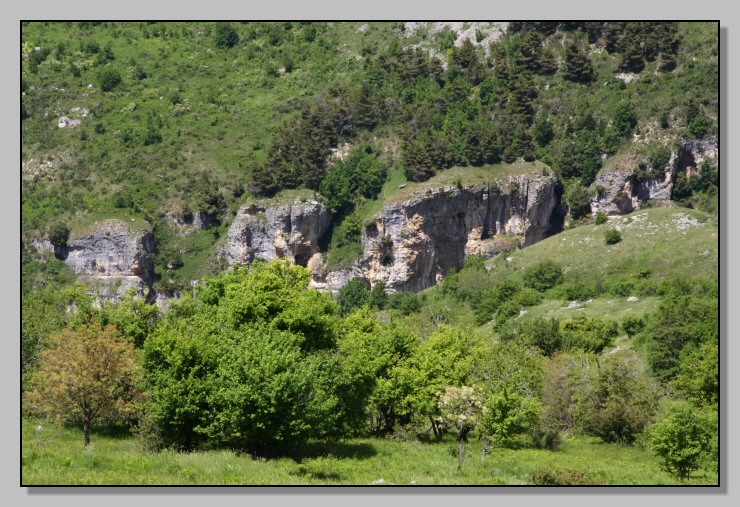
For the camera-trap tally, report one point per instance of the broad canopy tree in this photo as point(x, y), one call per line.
point(86, 375)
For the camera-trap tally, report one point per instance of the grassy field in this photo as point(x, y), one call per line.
point(59, 458)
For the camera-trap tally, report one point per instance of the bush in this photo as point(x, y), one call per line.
point(543, 334)
point(108, 78)
point(699, 127)
point(58, 234)
point(681, 438)
point(353, 294)
point(601, 218)
point(226, 37)
point(612, 236)
point(621, 401)
point(632, 325)
point(543, 275)
point(546, 476)
point(591, 335)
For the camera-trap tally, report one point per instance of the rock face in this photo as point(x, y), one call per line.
point(411, 245)
point(620, 189)
point(111, 258)
point(289, 231)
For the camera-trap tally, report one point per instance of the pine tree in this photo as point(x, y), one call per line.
point(577, 66)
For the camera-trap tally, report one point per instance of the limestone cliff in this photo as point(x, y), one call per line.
point(291, 231)
point(411, 245)
point(110, 258)
point(620, 186)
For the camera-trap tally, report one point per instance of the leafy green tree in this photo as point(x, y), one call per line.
point(544, 275)
point(620, 401)
point(698, 377)
point(250, 362)
point(378, 298)
point(699, 127)
point(542, 130)
point(542, 333)
point(633, 325)
point(624, 119)
point(86, 375)
point(681, 438)
point(578, 200)
point(678, 321)
point(510, 378)
point(352, 295)
point(108, 78)
point(589, 334)
point(225, 36)
point(58, 234)
point(442, 360)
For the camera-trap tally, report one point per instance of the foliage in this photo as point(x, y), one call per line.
point(248, 363)
point(681, 438)
point(378, 297)
point(352, 295)
point(225, 36)
point(621, 401)
point(109, 78)
point(87, 374)
point(600, 218)
point(589, 334)
point(698, 377)
point(360, 174)
point(680, 320)
point(612, 236)
point(578, 200)
point(459, 408)
point(554, 477)
point(633, 325)
point(542, 333)
point(543, 275)
point(58, 235)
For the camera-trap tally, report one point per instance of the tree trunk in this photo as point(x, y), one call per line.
point(462, 451)
point(86, 431)
point(435, 429)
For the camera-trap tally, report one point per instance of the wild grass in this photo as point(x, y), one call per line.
point(59, 458)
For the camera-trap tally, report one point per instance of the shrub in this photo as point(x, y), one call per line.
point(699, 127)
point(543, 275)
point(601, 218)
point(352, 295)
point(621, 401)
point(612, 236)
point(226, 37)
point(546, 476)
point(58, 234)
point(681, 438)
point(633, 325)
point(108, 78)
point(591, 335)
point(620, 288)
point(543, 334)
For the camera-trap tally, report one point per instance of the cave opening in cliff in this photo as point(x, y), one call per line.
point(387, 260)
point(301, 260)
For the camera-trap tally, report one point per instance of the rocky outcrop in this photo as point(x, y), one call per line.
point(411, 245)
point(110, 258)
point(620, 187)
point(265, 232)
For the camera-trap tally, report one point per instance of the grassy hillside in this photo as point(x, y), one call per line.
point(658, 245)
point(193, 113)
